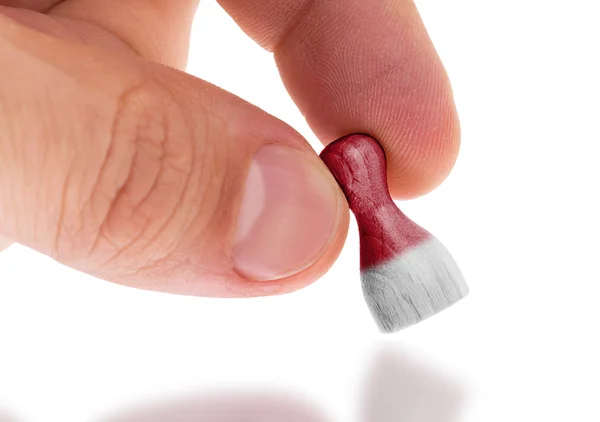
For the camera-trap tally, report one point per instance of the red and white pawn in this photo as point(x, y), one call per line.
point(407, 274)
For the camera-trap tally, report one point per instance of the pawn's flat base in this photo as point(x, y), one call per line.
point(421, 282)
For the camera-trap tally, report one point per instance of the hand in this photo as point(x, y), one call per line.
point(116, 164)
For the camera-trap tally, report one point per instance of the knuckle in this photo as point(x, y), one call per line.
point(142, 187)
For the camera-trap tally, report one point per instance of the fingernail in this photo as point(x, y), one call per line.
point(289, 214)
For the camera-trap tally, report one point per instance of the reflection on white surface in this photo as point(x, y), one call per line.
point(234, 407)
point(7, 417)
point(397, 388)
point(400, 388)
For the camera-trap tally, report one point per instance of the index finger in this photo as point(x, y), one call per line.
point(362, 66)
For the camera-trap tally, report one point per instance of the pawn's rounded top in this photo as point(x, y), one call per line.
point(358, 164)
point(355, 149)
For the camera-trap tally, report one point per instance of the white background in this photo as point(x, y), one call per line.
point(519, 213)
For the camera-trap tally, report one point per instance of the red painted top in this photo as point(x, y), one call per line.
point(358, 164)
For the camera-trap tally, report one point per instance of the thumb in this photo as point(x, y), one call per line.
point(142, 175)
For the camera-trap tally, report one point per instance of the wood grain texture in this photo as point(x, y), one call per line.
point(358, 164)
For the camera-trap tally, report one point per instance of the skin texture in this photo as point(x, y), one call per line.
point(355, 66)
point(114, 162)
point(4, 243)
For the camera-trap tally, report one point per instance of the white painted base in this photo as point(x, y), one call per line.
point(408, 289)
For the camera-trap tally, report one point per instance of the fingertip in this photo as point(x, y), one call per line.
point(289, 213)
point(420, 163)
point(305, 278)
point(373, 69)
point(421, 136)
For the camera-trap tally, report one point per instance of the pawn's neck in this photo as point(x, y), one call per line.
point(358, 164)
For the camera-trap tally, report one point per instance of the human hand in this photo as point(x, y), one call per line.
point(116, 164)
